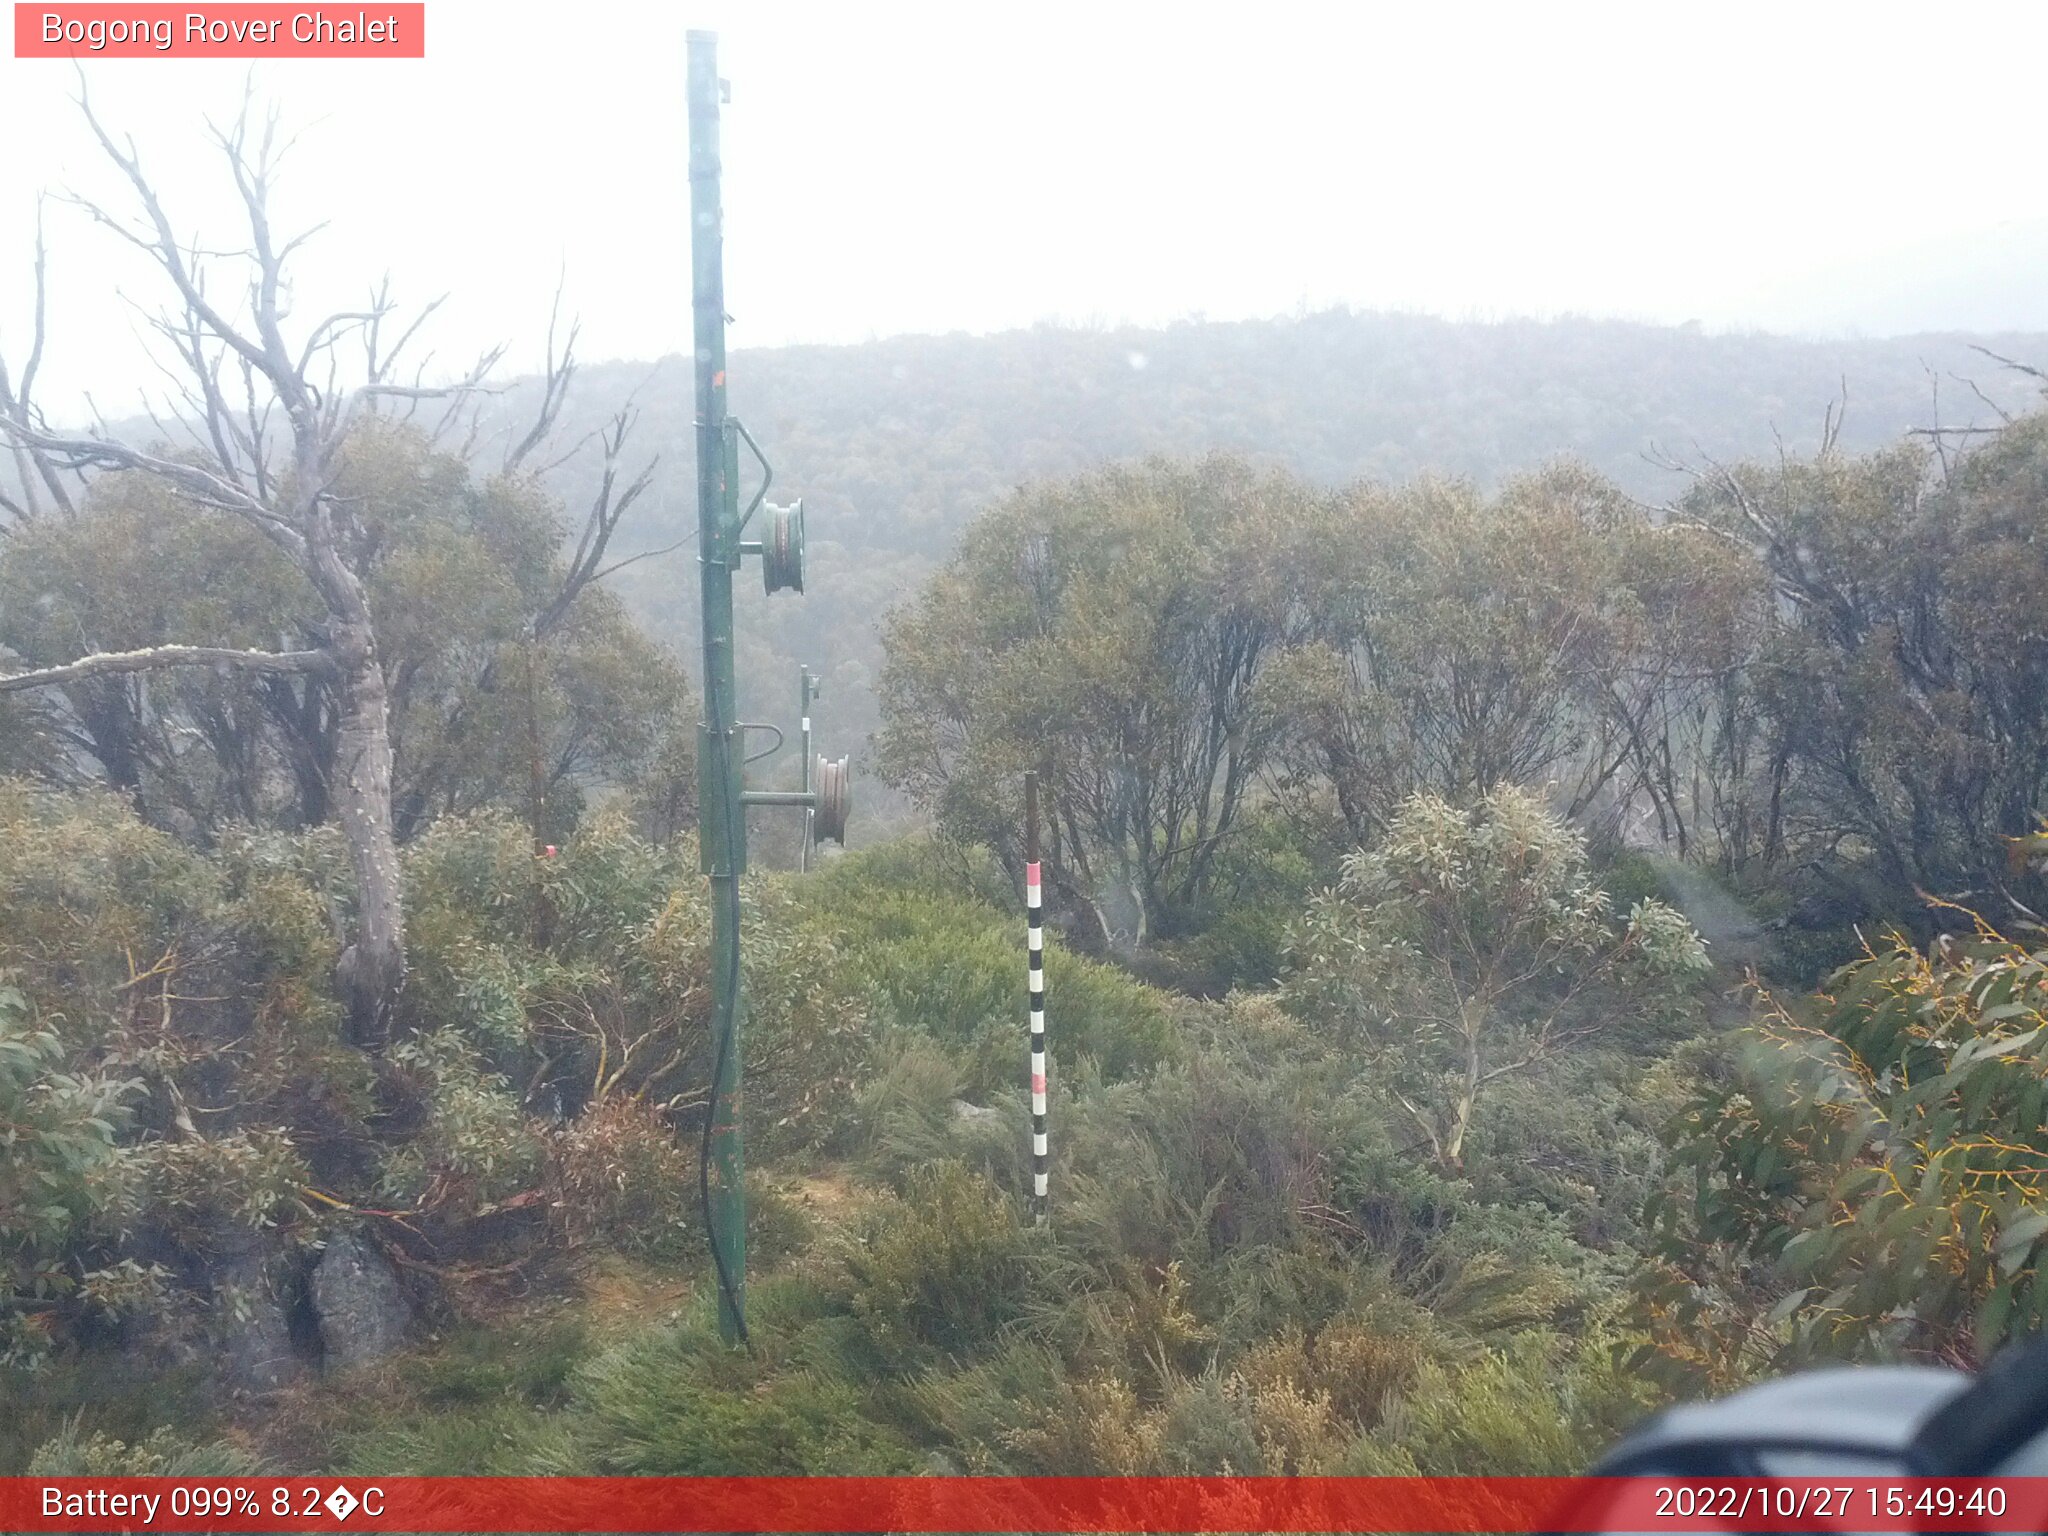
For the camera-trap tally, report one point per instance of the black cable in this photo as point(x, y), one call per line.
point(732, 993)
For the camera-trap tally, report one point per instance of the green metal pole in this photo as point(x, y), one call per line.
point(722, 819)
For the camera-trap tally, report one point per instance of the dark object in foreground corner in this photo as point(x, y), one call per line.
point(1905, 1421)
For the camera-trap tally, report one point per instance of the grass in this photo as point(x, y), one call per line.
point(104, 1394)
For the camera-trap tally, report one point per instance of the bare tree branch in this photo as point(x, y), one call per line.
point(200, 484)
point(18, 403)
point(1997, 410)
point(165, 248)
point(2018, 367)
point(554, 384)
point(607, 510)
point(159, 656)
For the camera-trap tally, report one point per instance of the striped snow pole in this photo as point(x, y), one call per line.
point(1034, 942)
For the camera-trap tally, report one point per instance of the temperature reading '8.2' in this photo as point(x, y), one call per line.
point(282, 1501)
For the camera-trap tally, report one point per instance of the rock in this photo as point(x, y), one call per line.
point(253, 1316)
point(362, 1310)
point(974, 1114)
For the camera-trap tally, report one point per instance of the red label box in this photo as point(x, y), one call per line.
point(236, 31)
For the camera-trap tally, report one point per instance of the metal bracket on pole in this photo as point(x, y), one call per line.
point(772, 748)
point(767, 473)
point(826, 796)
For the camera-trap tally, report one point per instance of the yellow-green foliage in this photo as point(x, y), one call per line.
point(1540, 1404)
point(59, 1171)
point(682, 1403)
point(585, 976)
point(202, 1185)
point(92, 901)
point(939, 957)
point(944, 1267)
point(1867, 1181)
point(476, 1146)
point(165, 1453)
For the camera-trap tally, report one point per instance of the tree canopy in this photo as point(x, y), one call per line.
point(484, 711)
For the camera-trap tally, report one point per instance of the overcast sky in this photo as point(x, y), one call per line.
point(897, 167)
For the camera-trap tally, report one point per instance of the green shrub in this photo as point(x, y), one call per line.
point(778, 1226)
point(74, 1452)
point(90, 901)
point(476, 1146)
point(950, 964)
point(587, 975)
point(682, 1403)
point(1866, 1181)
point(199, 1187)
point(1210, 1427)
point(1198, 1159)
point(936, 865)
point(1581, 1138)
point(1541, 1406)
point(1015, 1410)
point(906, 1106)
point(942, 1268)
point(1264, 873)
point(59, 1177)
point(1631, 876)
point(499, 1439)
point(1473, 943)
point(617, 1176)
point(1357, 1365)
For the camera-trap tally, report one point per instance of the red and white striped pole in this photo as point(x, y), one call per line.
point(1034, 941)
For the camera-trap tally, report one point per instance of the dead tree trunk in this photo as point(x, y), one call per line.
point(281, 483)
point(372, 966)
point(283, 490)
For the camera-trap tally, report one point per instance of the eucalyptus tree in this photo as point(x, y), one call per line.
point(1112, 632)
point(270, 439)
point(1549, 634)
point(1903, 677)
point(1473, 943)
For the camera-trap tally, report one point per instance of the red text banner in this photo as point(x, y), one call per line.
point(237, 31)
point(969, 1504)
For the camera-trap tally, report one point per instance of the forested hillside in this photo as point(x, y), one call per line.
point(896, 444)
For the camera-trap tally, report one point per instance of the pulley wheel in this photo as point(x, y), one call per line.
point(834, 780)
point(782, 548)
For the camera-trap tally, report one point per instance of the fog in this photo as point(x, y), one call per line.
point(897, 168)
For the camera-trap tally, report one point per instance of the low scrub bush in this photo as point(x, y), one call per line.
point(949, 964)
point(617, 1176)
point(941, 1269)
point(683, 1403)
point(76, 1452)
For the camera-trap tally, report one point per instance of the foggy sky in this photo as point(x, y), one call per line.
point(895, 167)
